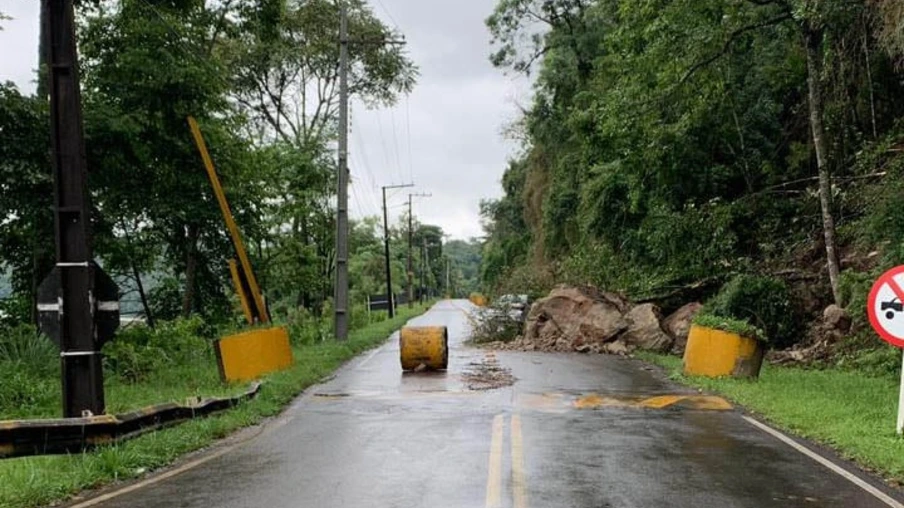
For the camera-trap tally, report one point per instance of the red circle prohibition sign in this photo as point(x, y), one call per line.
point(885, 306)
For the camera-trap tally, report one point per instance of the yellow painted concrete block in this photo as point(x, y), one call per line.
point(424, 345)
point(478, 299)
point(716, 353)
point(250, 355)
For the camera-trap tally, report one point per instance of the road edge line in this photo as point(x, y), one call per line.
point(847, 475)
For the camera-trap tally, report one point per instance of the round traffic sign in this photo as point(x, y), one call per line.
point(885, 306)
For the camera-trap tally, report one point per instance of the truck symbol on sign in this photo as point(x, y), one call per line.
point(893, 306)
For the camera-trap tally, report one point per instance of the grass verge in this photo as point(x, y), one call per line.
point(845, 410)
point(37, 481)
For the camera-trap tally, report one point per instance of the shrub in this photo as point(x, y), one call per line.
point(496, 323)
point(23, 389)
point(139, 351)
point(881, 361)
point(731, 325)
point(23, 345)
point(855, 287)
point(305, 328)
point(764, 302)
point(15, 311)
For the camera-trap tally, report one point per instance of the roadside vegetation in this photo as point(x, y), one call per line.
point(185, 367)
point(741, 154)
point(852, 410)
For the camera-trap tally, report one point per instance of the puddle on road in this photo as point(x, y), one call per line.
point(487, 374)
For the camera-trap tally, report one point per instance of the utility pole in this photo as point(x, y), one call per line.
point(426, 271)
point(78, 305)
point(389, 298)
point(410, 231)
point(448, 277)
point(340, 303)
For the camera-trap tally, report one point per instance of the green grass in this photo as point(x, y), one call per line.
point(37, 481)
point(848, 411)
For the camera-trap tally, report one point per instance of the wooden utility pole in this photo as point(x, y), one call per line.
point(410, 255)
point(78, 305)
point(389, 296)
point(340, 303)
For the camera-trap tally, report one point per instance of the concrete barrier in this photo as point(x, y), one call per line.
point(250, 355)
point(717, 353)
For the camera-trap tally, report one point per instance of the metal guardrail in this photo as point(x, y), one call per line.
point(20, 438)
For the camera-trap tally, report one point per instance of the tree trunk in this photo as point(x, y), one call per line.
point(191, 269)
point(149, 316)
point(814, 64)
point(137, 276)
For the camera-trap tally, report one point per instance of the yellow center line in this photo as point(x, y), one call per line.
point(494, 474)
point(518, 484)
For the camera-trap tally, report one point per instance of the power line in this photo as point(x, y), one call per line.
point(361, 148)
point(395, 144)
point(408, 128)
point(369, 197)
point(386, 151)
point(389, 15)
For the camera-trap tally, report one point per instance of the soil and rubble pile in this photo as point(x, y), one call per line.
point(587, 320)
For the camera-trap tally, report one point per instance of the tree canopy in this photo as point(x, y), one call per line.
point(674, 143)
point(261, 77)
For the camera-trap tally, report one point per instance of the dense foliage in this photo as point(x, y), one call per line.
point(261, 77)
point(671, 145)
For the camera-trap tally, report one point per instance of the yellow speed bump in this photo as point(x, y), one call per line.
point(249, 355)
point(698, 402)
point(424, 347)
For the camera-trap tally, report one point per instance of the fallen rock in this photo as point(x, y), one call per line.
point(617, 347)
point(678, 324)
point(581, 315)
point(644, 330)
point(587, 320)
point(836, 318)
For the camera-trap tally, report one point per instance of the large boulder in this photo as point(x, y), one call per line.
point(644, 330)
point(836, 318)
point(572, 317)
point(678, 324)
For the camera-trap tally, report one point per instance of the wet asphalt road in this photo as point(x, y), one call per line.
point(572, 431)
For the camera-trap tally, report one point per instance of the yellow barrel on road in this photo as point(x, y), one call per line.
point(424, 347)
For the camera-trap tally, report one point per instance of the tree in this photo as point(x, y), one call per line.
point(26, 232)
point(674, 142)
point(286, 73)
point(147, 67)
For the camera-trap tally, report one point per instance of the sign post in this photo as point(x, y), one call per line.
point(885, 307)
point(900, 427)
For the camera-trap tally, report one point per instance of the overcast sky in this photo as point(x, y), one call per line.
point(446, 137)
